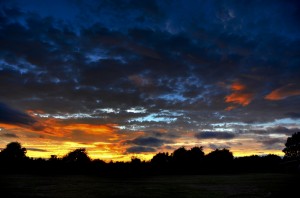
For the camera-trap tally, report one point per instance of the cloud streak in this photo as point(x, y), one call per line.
point(15, 117)
point(283, 92)
point(215, 135)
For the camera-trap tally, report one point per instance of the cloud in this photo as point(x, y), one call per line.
point(9, 135)
point(221, 146)
point(146, 141)
point(282, 130)
point(215, 135)
point(14, 117)
point(166, 57)
point(284, 92)
point(277, 130)
point(140, 149)
point(273, 143)
point(240, 95)
point(36, 149)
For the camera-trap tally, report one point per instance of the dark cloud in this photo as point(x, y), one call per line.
point(12, 116)
point(215, 135)
point(273, 143)
point(140, 149)
point(36, 149)
point(9, 135)
point(146, 141)
point(277, 130)
point(283, 130)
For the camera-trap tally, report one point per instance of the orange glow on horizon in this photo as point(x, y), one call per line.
point(106, 142)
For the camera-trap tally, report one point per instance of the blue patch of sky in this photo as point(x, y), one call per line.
point(98, 56)
point(173, 97)
point(163, 116)
point(154, 118)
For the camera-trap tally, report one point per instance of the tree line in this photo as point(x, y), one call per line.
point(13, 159)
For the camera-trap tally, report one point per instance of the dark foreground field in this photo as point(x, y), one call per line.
point(214, 186)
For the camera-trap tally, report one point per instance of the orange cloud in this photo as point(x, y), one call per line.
point(283, 92)
point(240, 96)
point(56, 129)
point(236, 86)
point(92, 129)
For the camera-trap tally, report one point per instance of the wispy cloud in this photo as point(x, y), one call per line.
point(284, 92)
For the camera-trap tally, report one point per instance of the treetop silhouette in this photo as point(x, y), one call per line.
point(292, 147)
point(13, 152)
point(180, 161)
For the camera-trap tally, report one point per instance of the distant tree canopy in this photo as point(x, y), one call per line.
point(77, 156)
point(194, 155)
point(292, 147)
point(180, 161)
point(161, 159)
point(223, 155)
point(13, 152)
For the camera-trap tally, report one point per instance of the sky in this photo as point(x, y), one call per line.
point(134, 78)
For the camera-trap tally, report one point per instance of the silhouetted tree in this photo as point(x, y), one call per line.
point(223, 155)
point(292, 147)
point(255, 163)
point(13, 152)
point(161, 162)
point(219, 161)
point(196, 154)
point(181, 161)
point(160, 159)
point(135, 160)
point(179, 155)
point(53, 158)
point(77, 156)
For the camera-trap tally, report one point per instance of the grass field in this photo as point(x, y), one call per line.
point(212, 186)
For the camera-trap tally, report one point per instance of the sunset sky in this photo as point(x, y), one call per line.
point(134, 78)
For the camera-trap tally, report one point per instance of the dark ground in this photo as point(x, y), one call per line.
point(212, 186)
